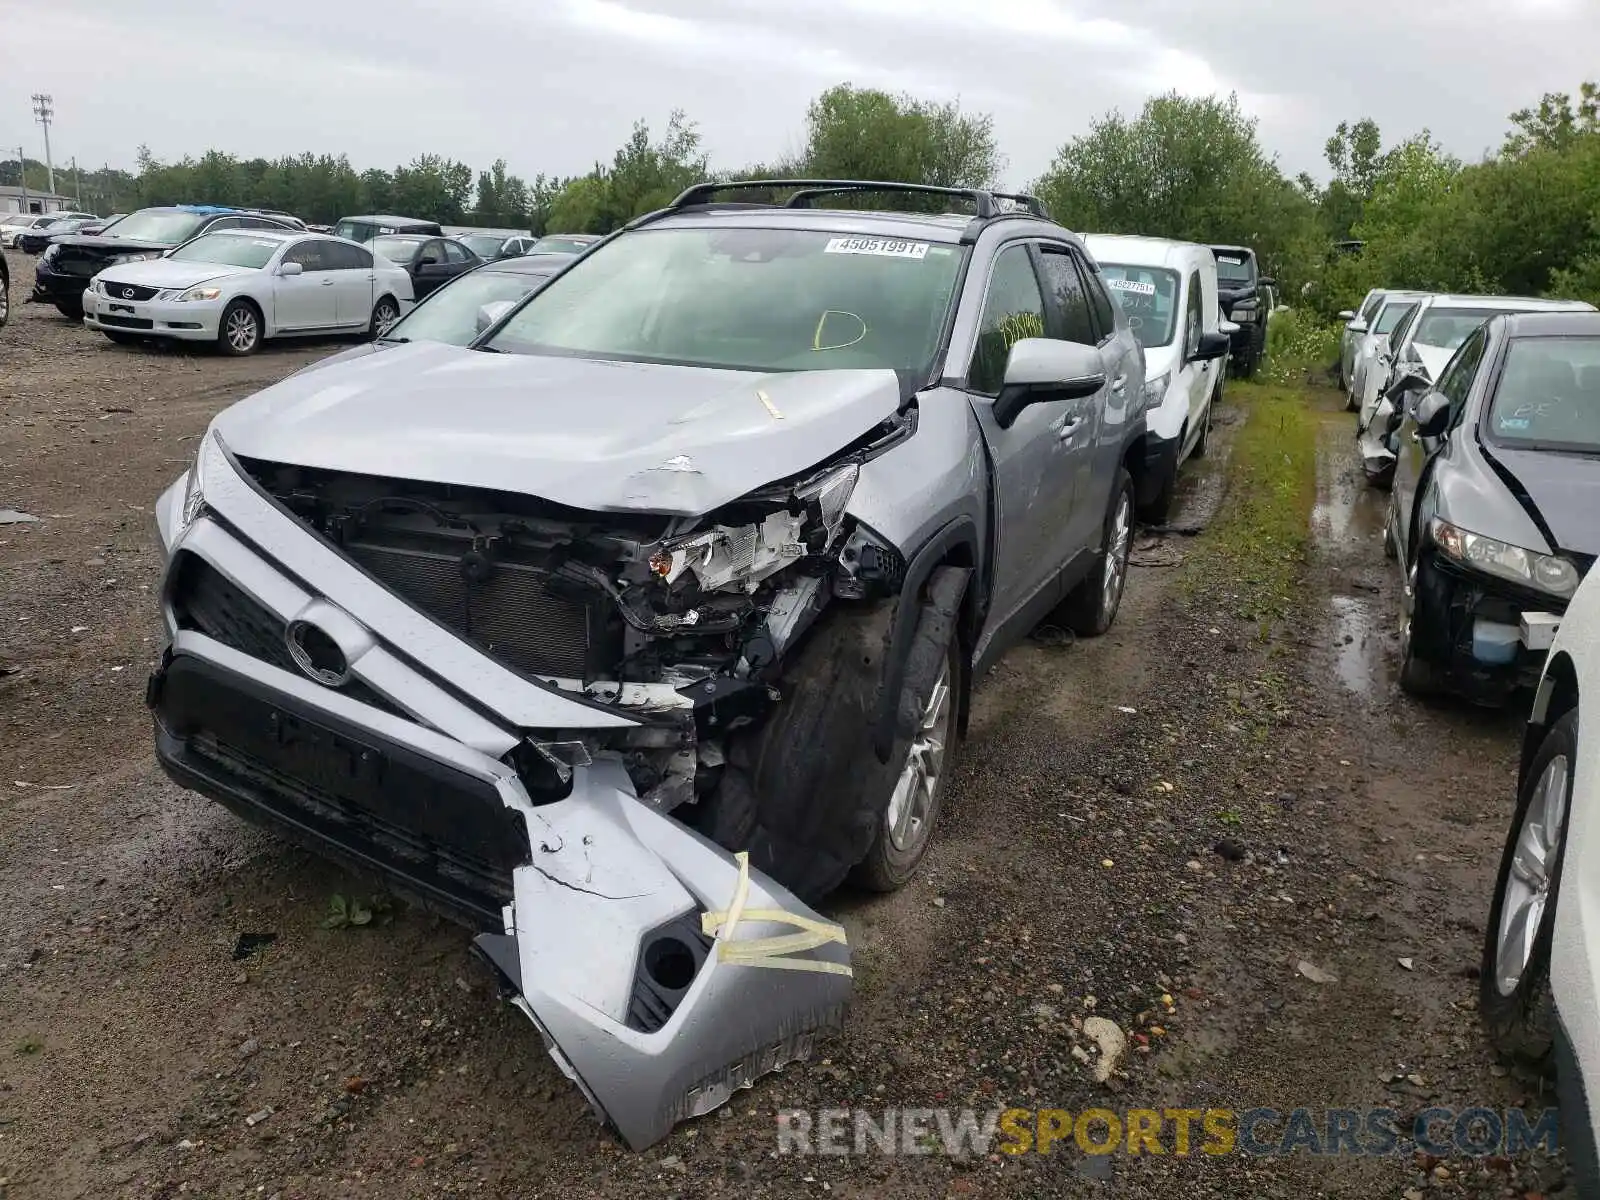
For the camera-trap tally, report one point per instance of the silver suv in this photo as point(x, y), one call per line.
point(685, 567)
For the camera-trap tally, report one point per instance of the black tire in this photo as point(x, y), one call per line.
point(1418, 676)
point(1351, 404)
point(5, 298)
point(1203, 442)
point(232, 336)
point(1158, 508)
point(936, 653)
point(805, 794)
point(70, 309)
point(1381, 478)
point(1389, 548)
point(1090, 608)
point(1520, 1021)
point(380, 322)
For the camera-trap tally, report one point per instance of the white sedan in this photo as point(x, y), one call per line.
point(238, 288)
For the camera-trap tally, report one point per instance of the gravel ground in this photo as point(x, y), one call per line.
point(1156, 827)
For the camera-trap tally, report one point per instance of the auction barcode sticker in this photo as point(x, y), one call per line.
point(885, 247)
point(1134, 286)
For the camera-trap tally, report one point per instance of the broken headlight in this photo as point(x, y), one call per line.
point(1546, 572)
point(741, 556)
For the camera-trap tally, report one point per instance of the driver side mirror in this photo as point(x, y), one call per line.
point(290, 269)
point(1039, 370)
point(1211, 345)
point(1269, 281)
point(489, 313)
point(427, 260)
point(1357, 326)
point(1433, 415)
point(1347, 316)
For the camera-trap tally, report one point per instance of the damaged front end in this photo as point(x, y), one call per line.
point(495, 703)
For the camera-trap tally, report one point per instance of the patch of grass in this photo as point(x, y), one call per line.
point(1255, 550)
point(1300, 348)
point(29, 1045)
point(351, 913)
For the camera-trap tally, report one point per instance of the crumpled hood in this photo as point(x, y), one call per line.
point(596, 435)
point(1563, 488)
point(1435, 358)
point(165, 273)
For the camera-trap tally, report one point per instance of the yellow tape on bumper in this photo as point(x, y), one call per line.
point(770, 951)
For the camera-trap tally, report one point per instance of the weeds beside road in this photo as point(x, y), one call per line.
point(1219, 790)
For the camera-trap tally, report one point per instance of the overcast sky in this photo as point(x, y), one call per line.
point(552, 85)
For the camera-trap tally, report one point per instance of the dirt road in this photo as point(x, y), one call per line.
point(1184, 810)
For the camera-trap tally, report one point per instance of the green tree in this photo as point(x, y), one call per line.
point(864, 133)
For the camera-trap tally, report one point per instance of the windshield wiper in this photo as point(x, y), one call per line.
point(400, 341)
point(487, 349)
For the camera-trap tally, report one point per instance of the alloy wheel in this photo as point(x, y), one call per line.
point(1527, 884)
point(242, 330)
point(1116, 567)
point(5, 304)
point(918, 786)
point(383, 317)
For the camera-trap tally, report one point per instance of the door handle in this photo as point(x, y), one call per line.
point(1119, 384)
point(327, 283)
point(1068, 429)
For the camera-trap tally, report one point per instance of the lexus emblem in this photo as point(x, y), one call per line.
point(127, 293)
point(317, 654)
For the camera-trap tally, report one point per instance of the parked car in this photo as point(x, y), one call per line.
point(1168, 291)
point(67, 265)
point(364, 229)
point(457, 313)
point(18, 224)
point(1421, 344)
point(1537, 986)
point(1240, 283)
point(556, 243)
point(239, 288)
point(487, 246)
point(5, 291)
point(715, 530)
point(1492, 518)
point(1349, 338)
point(430, 261)
point(33, 241)
point(1370, 364)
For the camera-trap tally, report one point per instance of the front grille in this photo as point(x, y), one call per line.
point(123, 322)
point(513, 614)
point(205, 600)
point(129, 291)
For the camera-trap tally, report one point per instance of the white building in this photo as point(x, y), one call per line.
point(11, 201)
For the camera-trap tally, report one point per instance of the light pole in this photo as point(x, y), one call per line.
point(44, 112)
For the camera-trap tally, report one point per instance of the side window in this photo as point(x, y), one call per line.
point(224, 223)
point(1371, 306)
point(1193, 320)
point(1069, 318)
point(1397, 339)
point(1456, 381)
point(309, 254)
point(1013, 308)
point(431, 250)
point(340, 257)
point(455, 252)
point(1105, 314)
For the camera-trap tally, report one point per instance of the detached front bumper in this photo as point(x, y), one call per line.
point(194, 320)
point(642, 952)
point(1492, 640)
point(54, 287)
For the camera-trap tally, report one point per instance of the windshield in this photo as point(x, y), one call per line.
point(1234, 268)
point(450, 315)
point(1392, 314)
point(396, 249)
point(159, 225)
point(561, 245)
point(746, 299)
point(227, 249)
point(483, 245)
point(1149, 297)
point(1548, 395)
point(1449, 327)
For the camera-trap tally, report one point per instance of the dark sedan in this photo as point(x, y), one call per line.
point(1494, 516)
point(33, 241)
point(430, 261)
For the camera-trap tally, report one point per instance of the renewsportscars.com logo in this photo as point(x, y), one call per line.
point(1474, 1132)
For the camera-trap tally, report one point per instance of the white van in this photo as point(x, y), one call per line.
point(1169, 292)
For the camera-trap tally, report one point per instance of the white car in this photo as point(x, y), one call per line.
point(1539, 986)
point(17, 224)
point(1168, 290)
point(238, 288)
point(1349, 338)
point(1372, 342)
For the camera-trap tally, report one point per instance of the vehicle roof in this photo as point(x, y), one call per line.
point(281, 235)
point(1233, 249)
point(940, 227)
point(1507, 303)
point(1552, 323)
point(1140, 251)
point(388, 220)
point(411, 237)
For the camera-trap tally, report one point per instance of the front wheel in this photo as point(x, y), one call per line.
point(1091, 607)
point(5, 301)
point(1514, 982)
point(239, 331)
point(1418, 676)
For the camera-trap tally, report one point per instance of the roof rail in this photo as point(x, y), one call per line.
point(810, 189)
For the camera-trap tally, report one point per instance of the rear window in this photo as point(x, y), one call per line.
point(397, 250)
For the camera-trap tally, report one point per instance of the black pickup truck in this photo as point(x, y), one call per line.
point(1242, 293)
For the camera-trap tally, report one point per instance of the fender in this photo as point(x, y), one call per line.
point(959, 532)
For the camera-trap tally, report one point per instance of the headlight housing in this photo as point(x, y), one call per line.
point(198, 293)
point(134, 256)
point(1548, 573)
point(194, 492)
point(1155, 390)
